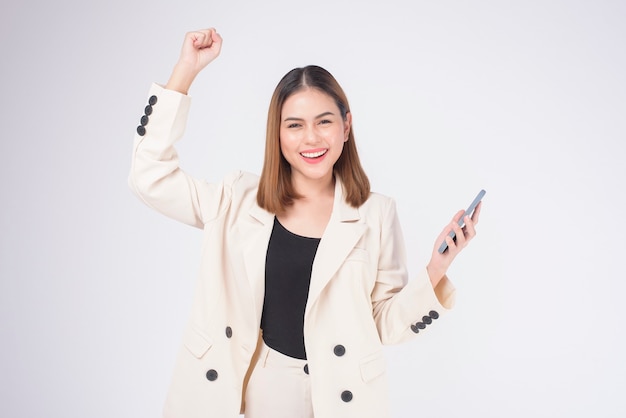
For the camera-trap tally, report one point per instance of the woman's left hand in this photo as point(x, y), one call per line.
point(439, 263)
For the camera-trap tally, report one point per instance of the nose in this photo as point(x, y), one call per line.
point(311, 135)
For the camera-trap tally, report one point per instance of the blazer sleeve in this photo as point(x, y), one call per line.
point(403, 309)
point(155, 176)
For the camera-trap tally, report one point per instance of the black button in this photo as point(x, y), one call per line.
point(141, 130)
point(433, 314)
point(346, 396)
point(144, 120)
point(148, 110)
point(152, 100)
point(229, 332)
point(306, 368)
point(420, 325)
point(427, 320)
point(415, 329)
point(339, 350)
point(211, 375)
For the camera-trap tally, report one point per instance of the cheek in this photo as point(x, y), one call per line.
point(287, 145)
point(338, 135)
point(284, 140)
point(288, 136)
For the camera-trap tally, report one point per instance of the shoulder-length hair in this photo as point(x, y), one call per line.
point(276, 192)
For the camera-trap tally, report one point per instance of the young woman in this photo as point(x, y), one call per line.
point(303, 275)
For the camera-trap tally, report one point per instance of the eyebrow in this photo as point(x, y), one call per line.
point(321, 115)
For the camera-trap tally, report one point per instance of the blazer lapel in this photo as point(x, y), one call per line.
point(339, 238)
point(341, 235)
point(254, 238)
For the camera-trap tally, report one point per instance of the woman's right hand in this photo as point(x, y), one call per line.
point(199, 49)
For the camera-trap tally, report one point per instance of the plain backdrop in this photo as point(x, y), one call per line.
point(526, 99)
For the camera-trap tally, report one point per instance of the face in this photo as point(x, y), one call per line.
point(312, 134)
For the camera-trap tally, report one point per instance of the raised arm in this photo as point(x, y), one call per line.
point(155, 175)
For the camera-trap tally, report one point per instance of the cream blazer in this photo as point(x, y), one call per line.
point(359, 299)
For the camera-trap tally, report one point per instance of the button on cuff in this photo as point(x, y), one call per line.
point(141, 130)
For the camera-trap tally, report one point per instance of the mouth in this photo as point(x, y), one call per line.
point(314, 154)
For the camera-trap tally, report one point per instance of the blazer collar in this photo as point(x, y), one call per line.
point(342, 233)
point(253, 239)
point(261, 214)
point(342, 211)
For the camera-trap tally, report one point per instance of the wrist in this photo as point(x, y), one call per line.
point(181, 78)
point(435, 274)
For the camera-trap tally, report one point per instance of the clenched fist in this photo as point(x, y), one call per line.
point(199, 49)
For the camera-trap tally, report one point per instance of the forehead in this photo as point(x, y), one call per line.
point(309, 100)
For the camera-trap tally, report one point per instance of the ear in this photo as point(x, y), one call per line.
point(347, 126)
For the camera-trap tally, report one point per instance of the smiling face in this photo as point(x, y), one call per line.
point(303, 153)
point(312, 134)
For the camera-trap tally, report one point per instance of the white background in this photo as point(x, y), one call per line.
point(526, 99)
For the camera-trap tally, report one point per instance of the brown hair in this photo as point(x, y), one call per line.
point(276, 192)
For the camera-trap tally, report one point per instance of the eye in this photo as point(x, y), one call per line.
point(293, 125)
point(325, 122)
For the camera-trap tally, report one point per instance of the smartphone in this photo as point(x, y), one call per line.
point(470, 210)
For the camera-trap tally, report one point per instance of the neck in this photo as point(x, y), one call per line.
point(311, 189)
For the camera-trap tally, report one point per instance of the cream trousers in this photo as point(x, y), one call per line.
point(279, 387)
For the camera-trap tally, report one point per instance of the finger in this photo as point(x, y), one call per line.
point(216, 42)
point(460, 235)
point(215, 37)
point(454, 225)
point(451, 244)
point(451, 225)
point(476, 213)
point(458, 216)
point(202, 39)
point(470, 229)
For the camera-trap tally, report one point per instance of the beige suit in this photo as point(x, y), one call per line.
point(359, 295)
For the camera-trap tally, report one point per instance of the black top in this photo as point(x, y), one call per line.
point(288, 267)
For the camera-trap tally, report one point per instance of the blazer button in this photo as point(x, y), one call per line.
point(144, 120)
point(427, 320)
point(229, 332)
point(433, 314)
point(152, 100)
point(415, 329)
point(141, 130)
point(339, 350)
point(306, 368)
point(211, 375)
point(346, 396)
point(420, 325)
point(148, 110)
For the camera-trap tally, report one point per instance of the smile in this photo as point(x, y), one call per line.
point(316, 154)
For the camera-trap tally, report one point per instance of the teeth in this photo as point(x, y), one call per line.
point(313, 154)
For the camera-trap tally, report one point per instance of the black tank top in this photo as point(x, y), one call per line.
point(288, 265)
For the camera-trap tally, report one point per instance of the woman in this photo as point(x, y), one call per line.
point(303, 272)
